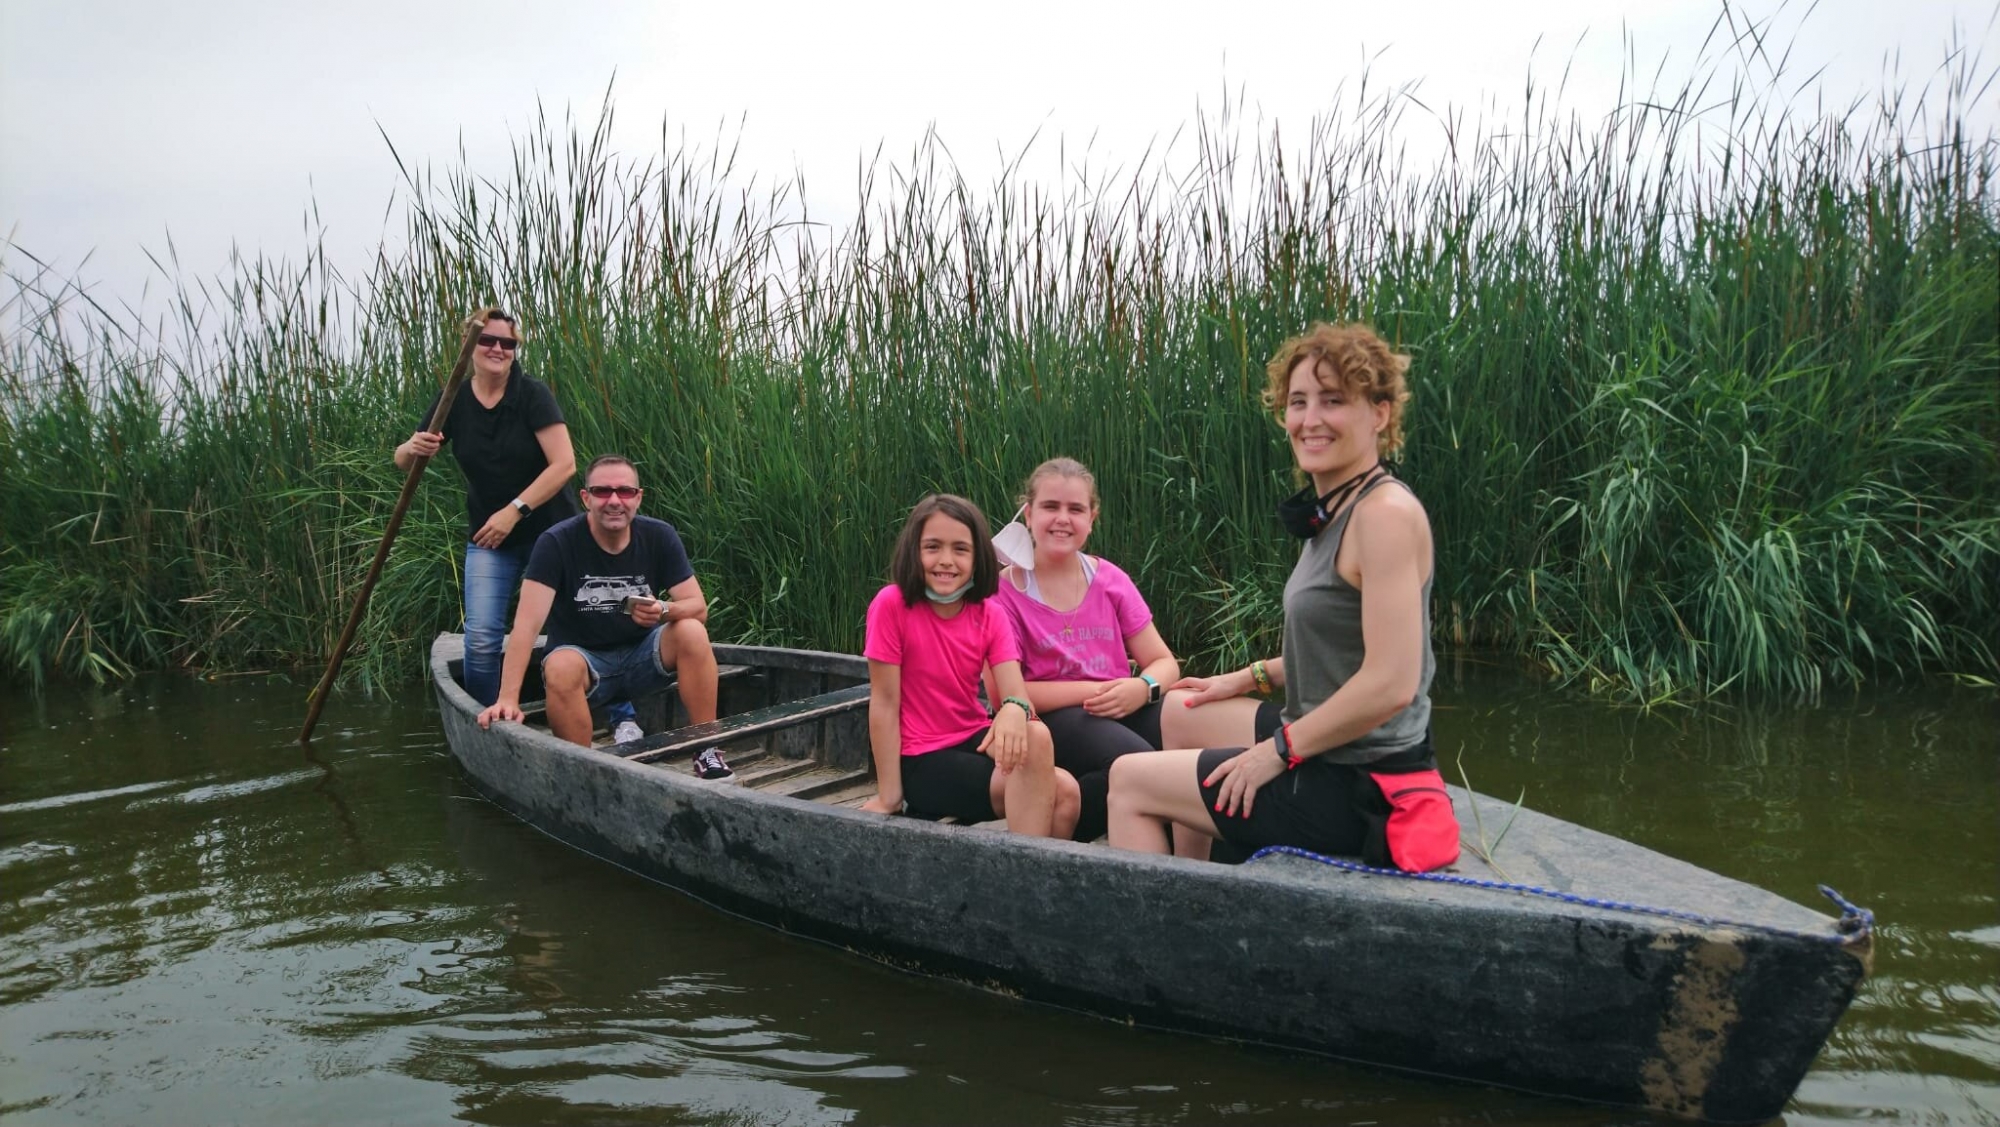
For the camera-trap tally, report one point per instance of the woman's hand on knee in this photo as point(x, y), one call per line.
point(1193, 692)
point(1240, 776)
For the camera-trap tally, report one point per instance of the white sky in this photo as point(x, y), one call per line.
point(225, 121)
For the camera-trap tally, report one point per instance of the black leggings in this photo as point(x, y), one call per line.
point(1086, 745)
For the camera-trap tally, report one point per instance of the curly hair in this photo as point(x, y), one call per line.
point(1349, 357)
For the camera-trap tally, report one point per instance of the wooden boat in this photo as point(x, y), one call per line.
point(1692, 995)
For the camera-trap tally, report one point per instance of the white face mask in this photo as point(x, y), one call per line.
point(1015, 544)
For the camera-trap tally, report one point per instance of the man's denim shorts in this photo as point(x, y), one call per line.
point(622, 674)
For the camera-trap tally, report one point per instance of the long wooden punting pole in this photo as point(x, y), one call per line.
point(416, 473)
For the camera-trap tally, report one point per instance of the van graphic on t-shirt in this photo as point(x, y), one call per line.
point(604, 593)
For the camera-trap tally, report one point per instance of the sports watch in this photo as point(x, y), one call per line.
point(521, 506)
point(1152, 688)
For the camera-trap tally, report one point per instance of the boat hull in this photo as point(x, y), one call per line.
point(1703, 1021)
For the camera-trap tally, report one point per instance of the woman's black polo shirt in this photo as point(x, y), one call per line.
point(497, 450)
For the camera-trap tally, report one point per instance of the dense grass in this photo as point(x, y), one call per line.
point(1705, 392)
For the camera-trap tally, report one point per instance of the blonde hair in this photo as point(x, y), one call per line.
point(1349, 358)
point(495, 313)
point(1058, 467)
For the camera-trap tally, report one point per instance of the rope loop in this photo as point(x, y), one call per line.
point(1856, 922)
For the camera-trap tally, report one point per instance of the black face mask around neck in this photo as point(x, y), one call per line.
point(1304, 515)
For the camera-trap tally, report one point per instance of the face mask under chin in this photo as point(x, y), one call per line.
point(947, 600)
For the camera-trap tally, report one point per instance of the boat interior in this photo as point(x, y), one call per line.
point(790, 722)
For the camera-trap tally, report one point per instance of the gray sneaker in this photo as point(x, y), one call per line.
point(627, 731)
point(709, 764)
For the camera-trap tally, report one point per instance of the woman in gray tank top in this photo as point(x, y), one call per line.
point(1357, 660)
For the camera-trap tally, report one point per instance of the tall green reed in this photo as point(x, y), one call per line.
point(1705, 394)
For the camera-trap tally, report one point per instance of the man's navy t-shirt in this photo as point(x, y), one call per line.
point(501, 457)
point(590, 582)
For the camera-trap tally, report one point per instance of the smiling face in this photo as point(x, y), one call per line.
point(1059, 516)
point(944, 549)
point(611, 515)
point(493, 361)
point(1333, 430)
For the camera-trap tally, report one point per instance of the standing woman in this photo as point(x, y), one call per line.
point(1345, 766)
point(509, 437)
point(1082, 624)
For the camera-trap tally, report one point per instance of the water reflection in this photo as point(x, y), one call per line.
point(204, 922)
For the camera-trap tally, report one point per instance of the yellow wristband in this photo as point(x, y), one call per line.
point(1262, 676)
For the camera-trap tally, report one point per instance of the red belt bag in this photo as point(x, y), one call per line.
point(1419, 831)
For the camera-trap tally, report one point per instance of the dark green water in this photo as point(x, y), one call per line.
point(202, 923)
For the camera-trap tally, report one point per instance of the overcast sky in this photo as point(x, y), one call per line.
point(222, 123)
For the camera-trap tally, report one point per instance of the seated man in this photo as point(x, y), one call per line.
point(595, 580)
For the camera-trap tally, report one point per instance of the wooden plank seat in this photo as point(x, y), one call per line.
point(756, 722)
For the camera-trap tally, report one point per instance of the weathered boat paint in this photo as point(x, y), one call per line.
point(1710, 1022)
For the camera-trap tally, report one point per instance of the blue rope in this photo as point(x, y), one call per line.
point(1856, 923)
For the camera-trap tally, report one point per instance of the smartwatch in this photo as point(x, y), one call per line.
point(521, 506)
point(1152, 688)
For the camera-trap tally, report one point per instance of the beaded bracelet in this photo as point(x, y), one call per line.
point(1026, 708)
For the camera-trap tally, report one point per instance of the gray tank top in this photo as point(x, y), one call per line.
point(1323, 646)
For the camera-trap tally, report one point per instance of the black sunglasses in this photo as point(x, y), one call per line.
point(504, 344)
point(622, 492)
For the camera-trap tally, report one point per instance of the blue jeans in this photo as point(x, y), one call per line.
point(620, 674)
point(492, 575)
point(491, 578)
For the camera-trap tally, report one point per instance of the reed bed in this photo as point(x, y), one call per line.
point(1707, 393)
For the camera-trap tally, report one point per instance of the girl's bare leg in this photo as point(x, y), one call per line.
point(1026, 796)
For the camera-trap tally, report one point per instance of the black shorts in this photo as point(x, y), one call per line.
point(1320, 805)
point(1311, 807)
point(953, 782)
point(1270, 717)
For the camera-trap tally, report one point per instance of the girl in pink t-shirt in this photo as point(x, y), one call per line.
point(1081, 624)
point(931, 633)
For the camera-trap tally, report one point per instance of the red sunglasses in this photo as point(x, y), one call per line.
point(605, 492)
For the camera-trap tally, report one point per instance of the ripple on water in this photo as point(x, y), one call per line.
point(58, 801)
point(238, 789)
point(34, 852)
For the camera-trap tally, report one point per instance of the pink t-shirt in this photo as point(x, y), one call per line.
point(1087, 644)
point(941, 660)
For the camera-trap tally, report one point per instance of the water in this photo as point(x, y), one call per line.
point(204, 923)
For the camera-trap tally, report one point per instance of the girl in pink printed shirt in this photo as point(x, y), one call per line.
point(931, 633)
point(1081, 625)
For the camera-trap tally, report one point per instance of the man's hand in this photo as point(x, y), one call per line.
point(648, 612)
point(500, 710)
